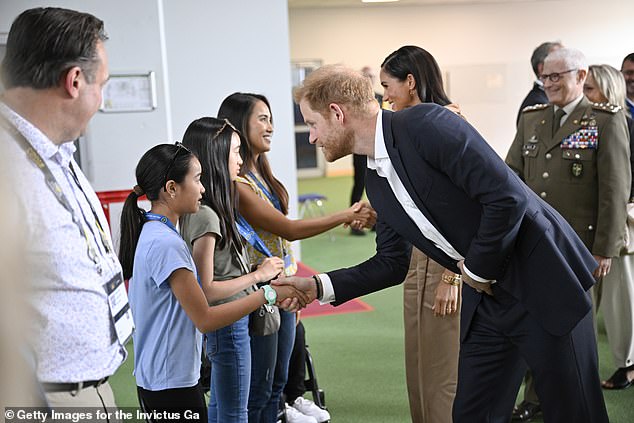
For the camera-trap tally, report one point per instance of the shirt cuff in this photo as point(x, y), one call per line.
point(475, 277)
point(328, 294)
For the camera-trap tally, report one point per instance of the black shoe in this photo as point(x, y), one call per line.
point(525, 411)
point(619, 379)
point(357, 232)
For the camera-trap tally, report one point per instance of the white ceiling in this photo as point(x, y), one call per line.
point(298, 4)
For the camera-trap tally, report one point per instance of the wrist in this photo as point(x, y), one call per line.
point(451, 280)
point(270, 294)
point(318, 287)
point(258, 276)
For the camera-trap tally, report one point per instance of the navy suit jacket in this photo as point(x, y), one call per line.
point(536, 95)
point(505, 232)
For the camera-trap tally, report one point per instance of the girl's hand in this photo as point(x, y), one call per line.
point(269, 269)
point(361, 215)
point(299, 297)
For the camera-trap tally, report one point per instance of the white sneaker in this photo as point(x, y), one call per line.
point(307, 407)
point(295, 416)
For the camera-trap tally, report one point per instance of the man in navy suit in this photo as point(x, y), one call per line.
point(435, 183)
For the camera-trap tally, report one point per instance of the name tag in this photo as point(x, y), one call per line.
point(120, 311)
point(288, 262)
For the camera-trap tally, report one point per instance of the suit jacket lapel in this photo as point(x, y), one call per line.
point(388, 207)
point(400, 168)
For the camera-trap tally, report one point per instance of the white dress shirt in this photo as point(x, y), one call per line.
point(74, 336)
point(383, 165)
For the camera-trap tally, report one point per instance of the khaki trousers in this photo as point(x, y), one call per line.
point(617, 306)
point(431, 344)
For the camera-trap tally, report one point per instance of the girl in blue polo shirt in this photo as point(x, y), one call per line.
point(169, 306)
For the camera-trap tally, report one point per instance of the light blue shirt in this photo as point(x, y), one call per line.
point(167, 345)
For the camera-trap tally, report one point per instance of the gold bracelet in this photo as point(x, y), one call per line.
point(451, 280)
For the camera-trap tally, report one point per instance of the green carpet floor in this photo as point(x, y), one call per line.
point(359, 357)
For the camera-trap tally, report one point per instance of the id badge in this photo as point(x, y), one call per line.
point(288, 262)
point(120, 311)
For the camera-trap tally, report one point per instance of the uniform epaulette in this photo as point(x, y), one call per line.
point(606, 107)
point(534, 107)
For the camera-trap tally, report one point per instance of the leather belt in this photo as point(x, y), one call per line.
point(72, 387)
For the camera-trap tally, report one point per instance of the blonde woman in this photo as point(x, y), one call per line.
point(605, 84)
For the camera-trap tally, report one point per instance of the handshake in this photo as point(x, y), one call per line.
point(294, 292)
point(360, 215)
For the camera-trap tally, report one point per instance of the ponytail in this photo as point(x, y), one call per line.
point(158, 165)
point(132, 220)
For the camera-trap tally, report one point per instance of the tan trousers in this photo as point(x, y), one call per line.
point(431, 344)
point(617, 306)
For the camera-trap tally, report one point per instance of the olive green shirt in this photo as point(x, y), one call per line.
point(229, 262)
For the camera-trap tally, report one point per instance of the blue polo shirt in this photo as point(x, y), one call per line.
point(167, 345)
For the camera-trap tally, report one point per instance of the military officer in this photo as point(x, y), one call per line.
point(575, 155)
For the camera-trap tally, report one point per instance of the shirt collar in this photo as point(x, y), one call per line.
point(38, 140)
point(568, 108)
point(380, 151)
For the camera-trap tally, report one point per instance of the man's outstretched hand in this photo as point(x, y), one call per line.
point(307, 286)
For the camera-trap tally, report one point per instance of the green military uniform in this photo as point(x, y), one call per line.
point(582, 170)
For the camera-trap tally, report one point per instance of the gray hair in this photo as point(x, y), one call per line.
point(540, 53)
point(573, 58)
point(610, 82)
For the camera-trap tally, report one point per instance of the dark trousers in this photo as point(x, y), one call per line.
point(297, 367)
point(502, 337)
point(174, 405)
point(359, 164)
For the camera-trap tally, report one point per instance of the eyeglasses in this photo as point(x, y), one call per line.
point(222, 128)
point(555, 76)
point(180, 147)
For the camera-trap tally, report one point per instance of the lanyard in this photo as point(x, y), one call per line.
point(160, 218)
point(102, 233)
point(251, 236)
point(56, 189)
point(272, 198)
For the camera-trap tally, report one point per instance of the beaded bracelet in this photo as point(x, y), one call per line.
point(320, 289)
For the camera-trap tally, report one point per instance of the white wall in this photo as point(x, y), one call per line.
point(210, 50)
point(115, 142)
point(242, 45)
point(485, 48)
point(201, 51)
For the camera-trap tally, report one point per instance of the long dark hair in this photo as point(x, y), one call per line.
point(210, 139)
point(158, 165)
point(238, 108)
point(423, 67)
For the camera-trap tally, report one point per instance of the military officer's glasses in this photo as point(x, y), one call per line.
point(555, 76)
